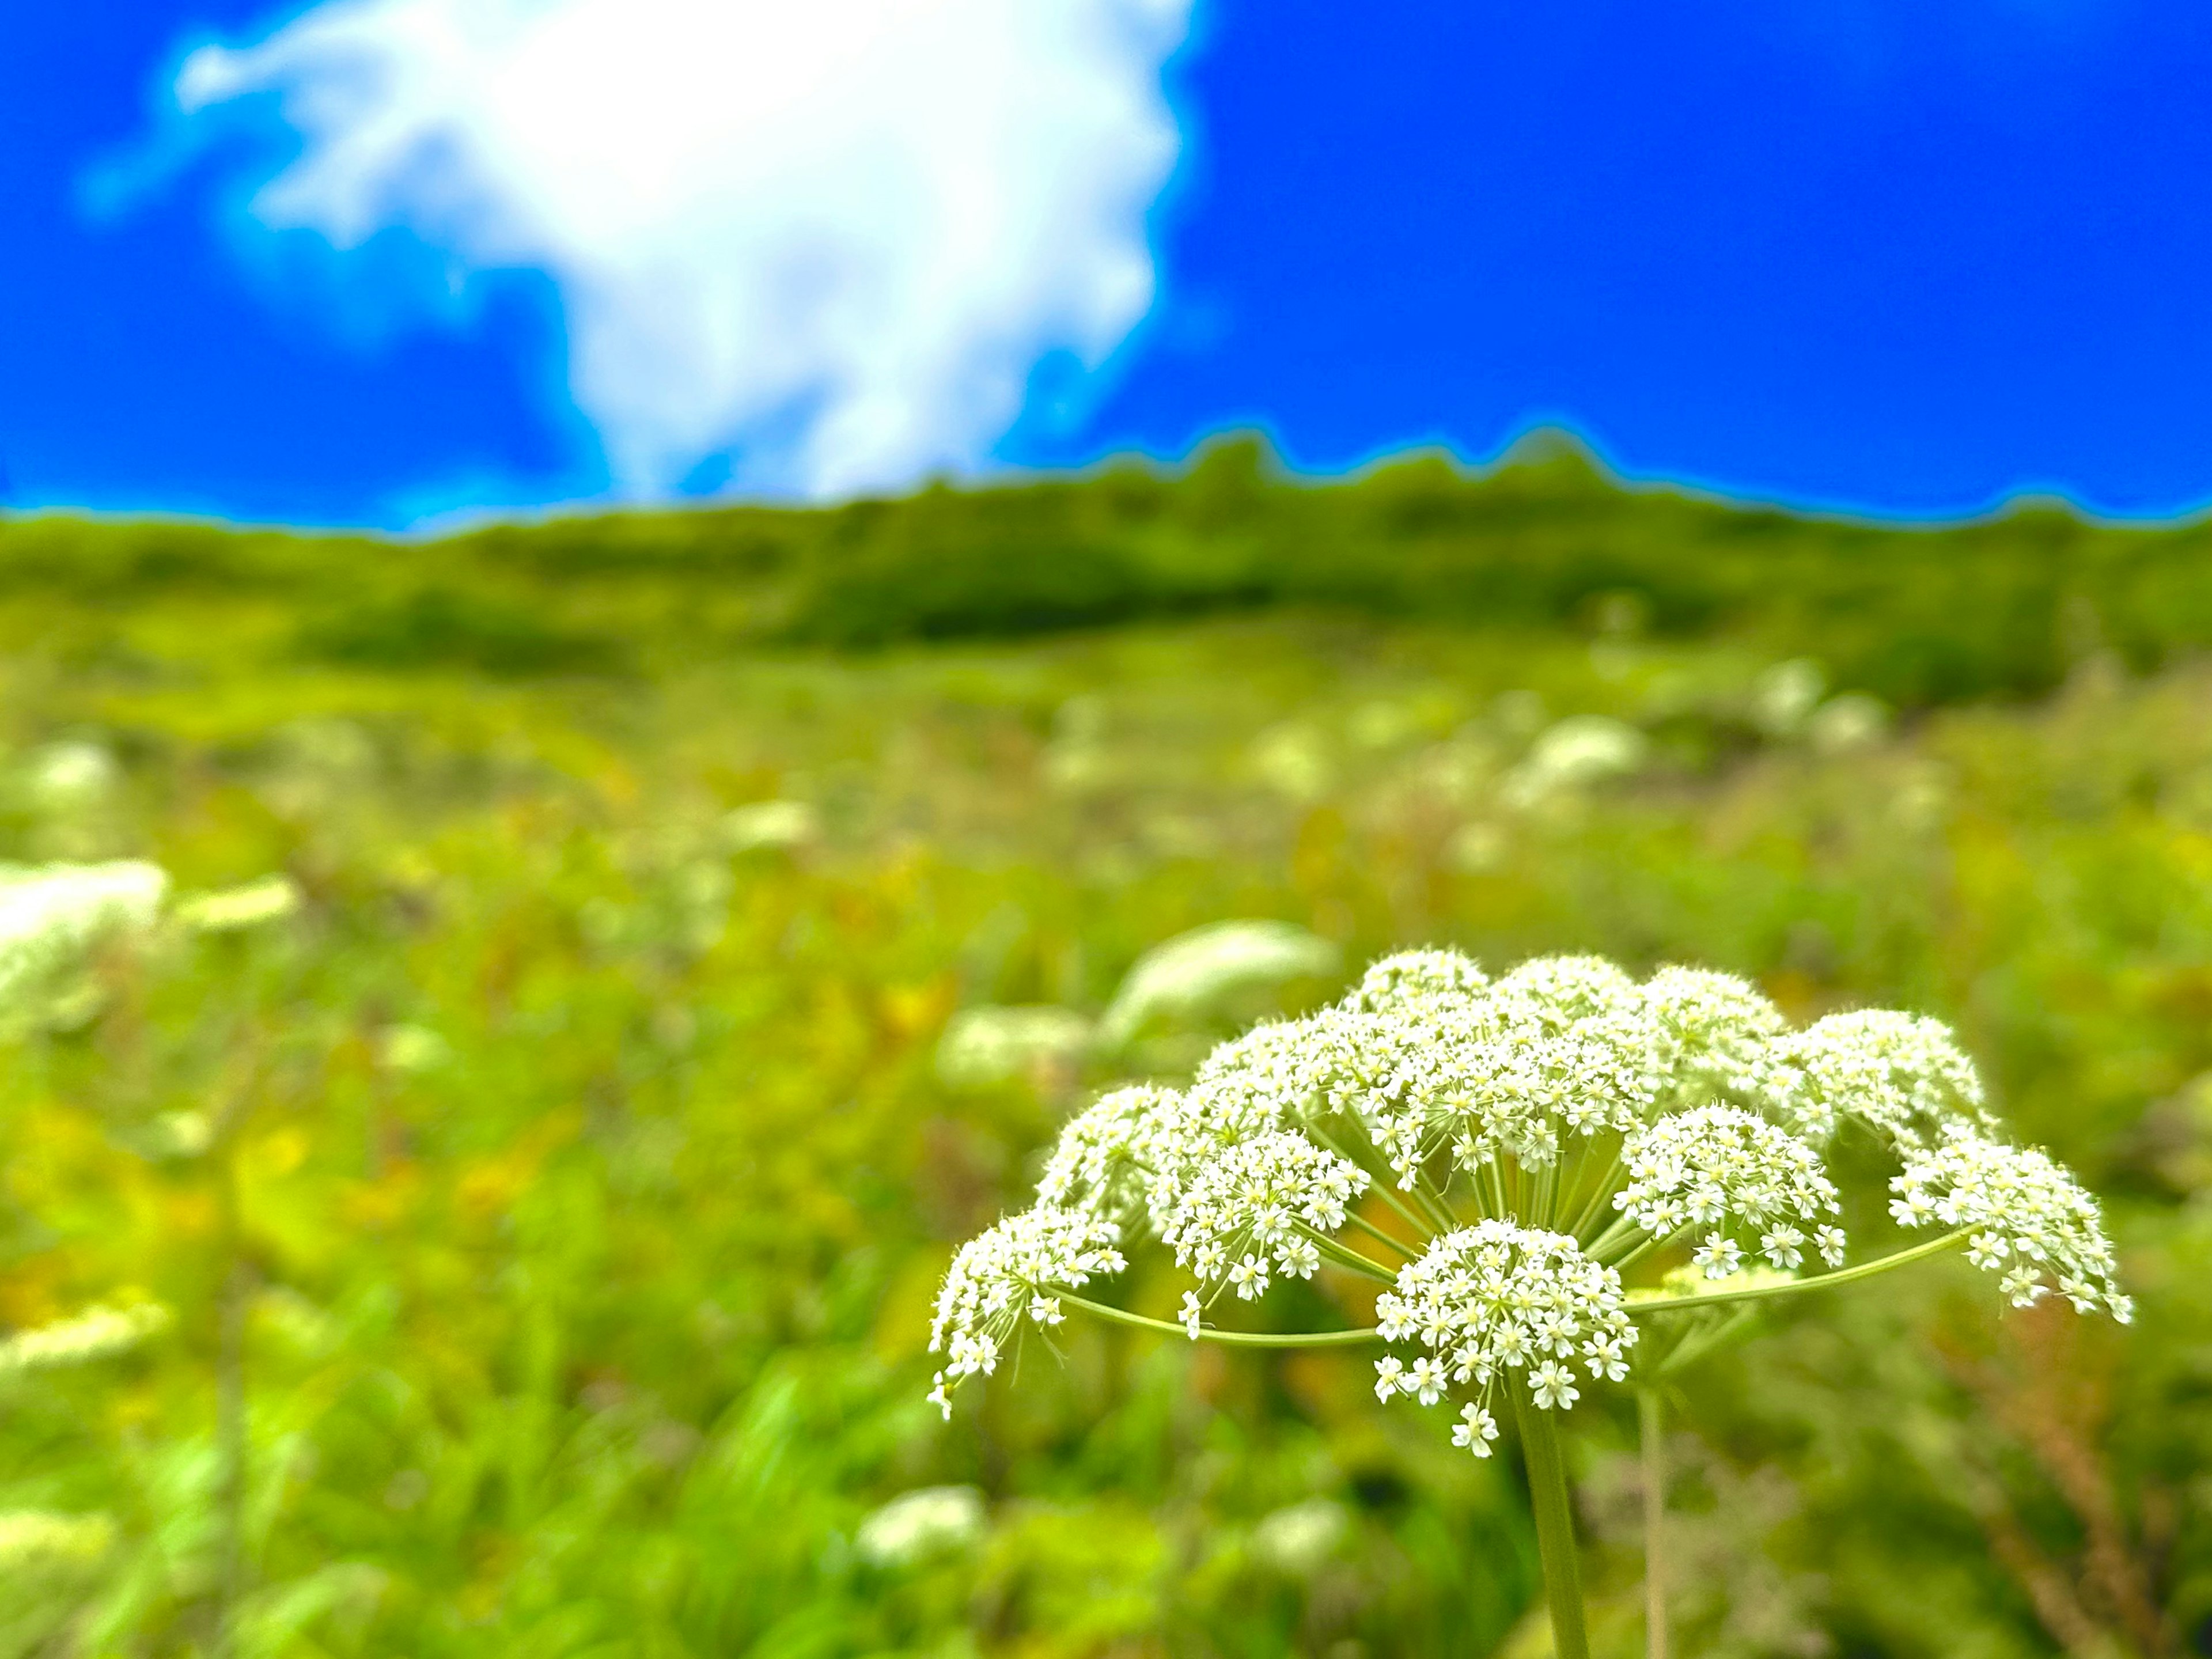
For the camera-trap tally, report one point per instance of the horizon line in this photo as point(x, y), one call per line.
point(1532, 443)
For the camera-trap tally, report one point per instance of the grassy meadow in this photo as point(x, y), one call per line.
point(550, 1205)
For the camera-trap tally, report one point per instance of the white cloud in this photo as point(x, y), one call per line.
point(832, 237)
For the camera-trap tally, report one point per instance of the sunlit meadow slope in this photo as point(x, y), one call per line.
point(562, 1186)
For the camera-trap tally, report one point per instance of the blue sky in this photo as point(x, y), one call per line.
point(1901, 255)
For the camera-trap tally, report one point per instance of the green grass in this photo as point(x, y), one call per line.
point(581, 1179)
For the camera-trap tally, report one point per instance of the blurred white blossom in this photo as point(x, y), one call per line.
point(1477, 849)
point(1300, 1538)
point(1579, 751)
point(414, 1049)
point(232, 909)
point(1293, 759)
point(1784, 695)
point(51, 914)
point(984, 1047)
point(1845, 724)
point(916, 1525)
point(1194, 973)
point(179, 1134)
point(768, 825)
point(96, 1333)
point(37, 1542)
point(69, 775)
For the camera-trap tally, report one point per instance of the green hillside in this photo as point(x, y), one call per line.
point(549, 1203)
point(1916, 615)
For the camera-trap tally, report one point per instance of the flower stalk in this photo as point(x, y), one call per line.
point(1652, 1450)
point(1552, 1503)
point(1356, 1338)
point(1760, 1292)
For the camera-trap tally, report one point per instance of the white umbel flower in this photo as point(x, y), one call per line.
point(1552, 1386)
point(1554, 993)
point(1901, 1074)
point(2032, 1222)
point(1444, 977)
point(1475, 1429)
point(1008, 1272)
point(1496, 1152)
point(1718, 1256)
point(1265, 1199)
point(1108, 1155)
point(1490, 1299)
point(1721, 1166)
point(1719, 1031)
point(1525, 1093)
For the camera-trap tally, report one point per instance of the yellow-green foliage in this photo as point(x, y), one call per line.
point(560, 1169)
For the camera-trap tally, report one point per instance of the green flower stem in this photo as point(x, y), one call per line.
point(1623, 1263)
point(1498, 1206)
point(1420, 1223)
point(1663, 1305)
point(1346, 1258)
point(1653, 1446)
point(1586, 1216)
point(1620, 1227)
point(1233, 1338)
point(1555, 1525)
point(1440, 1212)
point(1717, 1335)
point(1382, 1237)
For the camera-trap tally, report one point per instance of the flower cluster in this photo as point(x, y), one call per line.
point(1557, 1045)
point(1493, 1299)
point(1009, 1272)
point(1252, 1083)
point(1718, 1032)
point(1551, 993)
point(1514, 1094)
point(1445, 977)
point(1220, 1113)
point(2032, 1222)
point(1262, 1206)
point(1107, 1154)
point(1720, 1168)
point(1900, 1074)
point(1517, 1141)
